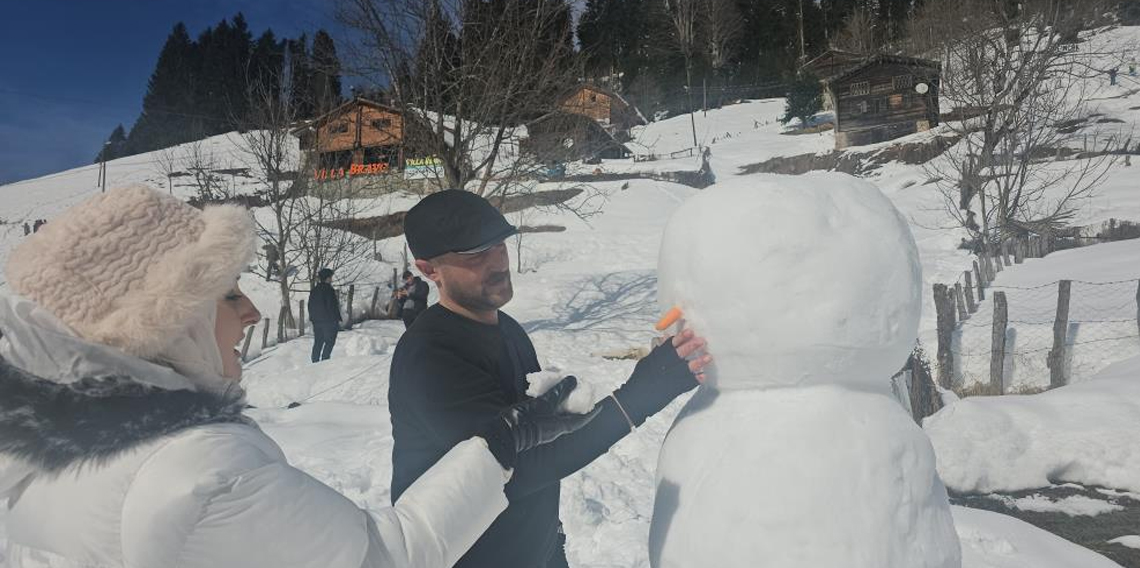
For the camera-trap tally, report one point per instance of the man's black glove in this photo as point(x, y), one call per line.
point(533, 422)
point(656, 380)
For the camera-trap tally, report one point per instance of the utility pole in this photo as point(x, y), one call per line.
point(803, 53)
point(103, 166)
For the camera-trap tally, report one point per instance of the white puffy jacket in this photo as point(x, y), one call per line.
point(212, 495)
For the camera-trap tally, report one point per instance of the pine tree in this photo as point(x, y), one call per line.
point(300, 75)
point(115, 146)
point(325, 73)
point(804, 99)
point(266, 62)
point(165, 119)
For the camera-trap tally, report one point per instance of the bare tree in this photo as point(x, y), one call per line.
point(723, 26)
point(202, 165)
point(858, 33)
point(1020, 91)
point(294, 223)
point(469, 77)
point(684, 15)
point(167, 162)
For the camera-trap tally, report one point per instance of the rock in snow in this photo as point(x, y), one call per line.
point(807, 289)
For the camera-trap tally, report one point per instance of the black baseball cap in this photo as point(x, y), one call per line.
point(456, 221)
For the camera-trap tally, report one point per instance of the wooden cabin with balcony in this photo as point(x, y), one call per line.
point(360, 137)
point(878, 97)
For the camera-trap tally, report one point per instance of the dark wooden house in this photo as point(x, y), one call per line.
point(605, 107)
point(566, 137)
point(878, 97)
point(590, 123)
point(360, 136)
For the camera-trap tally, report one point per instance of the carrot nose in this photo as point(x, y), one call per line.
point(668, 319)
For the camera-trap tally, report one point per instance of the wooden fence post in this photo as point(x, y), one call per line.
point(924, 399)
point(944, 309)
point(301, 313)
point(1056, 358)
point(281, 316)
point(959, 302)
point(351, 293)
point(981, 282)
point(988, 266)
point(375, 298)
point(971, 305)
point(248, 340)
point(997, 353)
point(265, 334)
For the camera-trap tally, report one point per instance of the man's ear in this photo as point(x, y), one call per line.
point(428, 269)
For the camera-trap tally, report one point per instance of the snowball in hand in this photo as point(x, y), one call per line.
point(809, 279)
point(581, 399)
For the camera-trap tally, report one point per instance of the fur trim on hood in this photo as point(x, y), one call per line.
point(53, 426)
point(66, 401)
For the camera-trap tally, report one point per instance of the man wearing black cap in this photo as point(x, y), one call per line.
point(464, 361)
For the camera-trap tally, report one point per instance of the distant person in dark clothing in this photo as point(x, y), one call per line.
point(27, 229)
point(412, 297)
point(464, 361)
point(324, 312)
point(36, 226)
point(271, 259)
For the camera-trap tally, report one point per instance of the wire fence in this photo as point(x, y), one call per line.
point(995, 339)
point(1100, 328)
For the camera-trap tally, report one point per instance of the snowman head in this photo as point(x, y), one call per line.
point(802, 280)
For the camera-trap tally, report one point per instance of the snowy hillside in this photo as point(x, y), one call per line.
point(588, 295)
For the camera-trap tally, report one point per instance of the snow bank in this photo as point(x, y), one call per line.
point(1131, 541)
point(1073, 505)
point(991, 540)
point(1084, 433)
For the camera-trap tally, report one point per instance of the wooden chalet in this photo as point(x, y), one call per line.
point(606, 107)
point(877, 97)
point(358, 137)
point(591, 122)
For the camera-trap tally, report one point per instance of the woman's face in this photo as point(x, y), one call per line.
point(235, 313)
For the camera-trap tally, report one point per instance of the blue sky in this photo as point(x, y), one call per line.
point(72, 70)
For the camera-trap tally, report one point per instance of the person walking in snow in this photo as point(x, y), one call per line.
point(122, 438)
point(464, 358)
point(412, 297)
point(27, 229)
point(324, 313)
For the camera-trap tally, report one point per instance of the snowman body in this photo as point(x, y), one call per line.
point(793, 453)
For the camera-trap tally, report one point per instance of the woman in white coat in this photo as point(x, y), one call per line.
point(122, 439)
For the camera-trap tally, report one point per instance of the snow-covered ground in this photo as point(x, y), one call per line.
point(1083, 433)
point(591, 291)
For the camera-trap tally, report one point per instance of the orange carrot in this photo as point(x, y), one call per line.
point(668, 319)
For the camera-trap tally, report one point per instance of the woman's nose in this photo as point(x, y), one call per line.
point(250, 314)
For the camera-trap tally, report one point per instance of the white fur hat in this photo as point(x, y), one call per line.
point(133, 268)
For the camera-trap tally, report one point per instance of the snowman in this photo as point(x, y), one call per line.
point(793, 454)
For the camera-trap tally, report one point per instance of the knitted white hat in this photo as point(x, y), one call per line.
point(133, 268)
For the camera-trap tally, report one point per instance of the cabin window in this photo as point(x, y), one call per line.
point(860, 88)
point(381, 123)
point(903, 82)
point(339, 128)
point(593, 98)
point(897, 101)
point(882, 105)
point(861, 107)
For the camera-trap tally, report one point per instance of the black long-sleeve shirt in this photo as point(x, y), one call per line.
point(324, 306)
point(450, 375)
